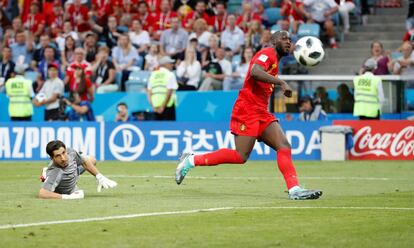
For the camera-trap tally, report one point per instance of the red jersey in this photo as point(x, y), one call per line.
point(33, 21)
point(255, 92)
point(75, 86)
point(291, 12)
point(163, 21)
point(193, 16)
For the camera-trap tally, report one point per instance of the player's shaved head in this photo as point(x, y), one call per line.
point(280, 40)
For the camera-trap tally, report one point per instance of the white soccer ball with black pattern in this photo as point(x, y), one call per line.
point(309, 51)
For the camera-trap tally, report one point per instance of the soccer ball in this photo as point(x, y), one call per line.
point(309, 51)
point(40, 97)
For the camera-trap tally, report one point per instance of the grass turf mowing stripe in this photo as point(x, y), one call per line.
point(129, 216)
point(260, 178)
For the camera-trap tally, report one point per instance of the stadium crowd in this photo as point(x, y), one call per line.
point(97, 46)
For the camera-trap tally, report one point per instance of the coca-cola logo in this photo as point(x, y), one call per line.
point(384, 144)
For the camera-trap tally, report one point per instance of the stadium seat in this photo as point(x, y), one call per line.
point(309, 29)
point(137, 81)
point(273, 15)
point(233, 8)
point(235, 61)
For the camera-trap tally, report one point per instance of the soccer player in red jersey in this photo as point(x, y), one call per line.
point(251, 121)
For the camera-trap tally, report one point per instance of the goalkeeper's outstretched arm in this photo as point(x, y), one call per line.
point(89, 163)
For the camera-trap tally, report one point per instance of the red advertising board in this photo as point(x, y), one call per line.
point(381, 140)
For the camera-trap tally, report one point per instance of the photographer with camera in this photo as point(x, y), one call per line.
point(81, 96)
point(50, 93)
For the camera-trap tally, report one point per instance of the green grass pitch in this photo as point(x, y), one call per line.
point(365, 204)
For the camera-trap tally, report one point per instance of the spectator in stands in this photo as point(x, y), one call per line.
point(35, 21)
point(408, 36)
point(44, 42)
point(152, 58)
point(81, 96)
point(246, 17)
point(322, 98)
point(377, 53)
point(345, 6)
point(68, 52)
point(67, 31)
point(368, 93)
point(17, 25)
point(52, 90)
point(320, 12)
point(345, 100)
point(254, 35)
point(236, 80)
point(404, 65)
point(164, 19)
point(90, 45)
point(6, 67)
point(22, 49)
point(173, 41)
point(215, 72)
point(139, 37)
point(125, 58)
point(154, 6)
point(56, 20)
point(104, 72)
point(201, 33)
point(78, 60)
point(43, 67)
point(232, 36)
point(258, 6)
point(410, 16)
point(144, 16)
point(77, 13)
point(108, 33)
point(189, 71)
point(310, 110)
point(294, 13)
point(20, 91)
point(193, 42)
point(162, 85)
point(220, 18)
point(200, 12)
point(209, 54)
point(265, 40)
point(101, 10)
point(4, 22)
point(123, 114)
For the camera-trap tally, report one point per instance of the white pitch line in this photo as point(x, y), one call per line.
point(263, 178)
point(130, 216)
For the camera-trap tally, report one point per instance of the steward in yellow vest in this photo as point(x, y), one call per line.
point(368, 93)
point(161, 90)
point(20, 92)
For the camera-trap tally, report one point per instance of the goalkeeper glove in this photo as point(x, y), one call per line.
point(78, 194)
point(104, 182)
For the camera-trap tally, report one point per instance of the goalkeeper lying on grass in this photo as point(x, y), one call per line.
point(62, 174)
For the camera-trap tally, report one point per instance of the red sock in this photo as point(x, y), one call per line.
point(286, 167)
point(222, 156)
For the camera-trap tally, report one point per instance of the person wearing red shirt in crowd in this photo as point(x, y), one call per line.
point(246, 17)
point(145, 17)
point(220, 18)
point(78, 16)
point(56, 20)
point(101, 9)
point(80, 79)
point(154, 6)
point(163, 19)
point(79, 60)
point(251, 121)
point(35, 21)
point(294, 14)
point(200, 12)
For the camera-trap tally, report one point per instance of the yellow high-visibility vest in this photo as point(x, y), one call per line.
point(366, 95)
point(159, 81)
point(18, 90)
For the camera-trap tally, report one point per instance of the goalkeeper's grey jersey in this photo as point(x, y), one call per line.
point(63, 180)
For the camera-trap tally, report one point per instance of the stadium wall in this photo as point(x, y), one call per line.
point(136, 141)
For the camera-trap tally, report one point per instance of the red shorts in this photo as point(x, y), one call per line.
point(246, 121)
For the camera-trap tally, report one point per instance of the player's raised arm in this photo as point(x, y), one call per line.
point(259, 74)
